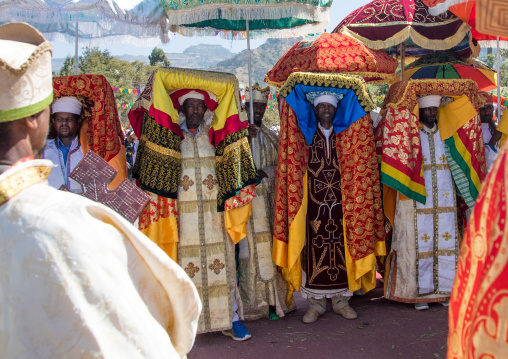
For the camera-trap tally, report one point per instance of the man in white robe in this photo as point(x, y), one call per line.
point(426, 236)
point(76, 279)
point(263, 291)
point(64, 150)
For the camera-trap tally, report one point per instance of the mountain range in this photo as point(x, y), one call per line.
point(218, 58)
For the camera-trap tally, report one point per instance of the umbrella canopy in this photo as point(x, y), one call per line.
point(214, 16)
point(332, 53)
point(450, 66)
point(384, 23)
point(110, 21)
point(467, 11)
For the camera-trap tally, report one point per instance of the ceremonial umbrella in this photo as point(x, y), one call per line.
point(449, 65)
point(491, 21)
point(491, 16)
point(384, 24)
point(263, 17)
point(332, 53)
point(110, 21)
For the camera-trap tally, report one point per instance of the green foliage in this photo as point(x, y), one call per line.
point(491, 61)
point(378, 92)
point(271, 117)
point(119, 73)
point(158, 58)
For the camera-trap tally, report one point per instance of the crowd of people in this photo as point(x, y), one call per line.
point(239, 217)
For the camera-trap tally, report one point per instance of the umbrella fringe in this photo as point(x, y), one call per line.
point(410, 33)
point(254, 34)
point(493, 44)
point(247, 12)
point(108, 28)
point(443, 7)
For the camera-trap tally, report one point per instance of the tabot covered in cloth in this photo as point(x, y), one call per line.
point(332, 53)
point(158, 166)
point(398, 139)
point(101, 130)
point(360, 186)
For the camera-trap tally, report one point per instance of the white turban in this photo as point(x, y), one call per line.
point(67, 104)
point(429, 101)
point(326, 98)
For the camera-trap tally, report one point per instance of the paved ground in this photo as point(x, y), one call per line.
point(383, 329)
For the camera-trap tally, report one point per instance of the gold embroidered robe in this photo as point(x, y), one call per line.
point(260, 284)
point(205, 250)
point(425, 242)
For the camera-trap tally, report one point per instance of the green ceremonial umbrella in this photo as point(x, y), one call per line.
point(257, 18)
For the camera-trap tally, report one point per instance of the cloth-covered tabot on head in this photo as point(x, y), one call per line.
point(401, 166)
point(363, 218)
point(101, 130)
point(155, 120)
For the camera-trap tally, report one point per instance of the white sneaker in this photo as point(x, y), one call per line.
point(421, 306)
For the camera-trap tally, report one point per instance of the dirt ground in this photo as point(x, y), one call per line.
point(384, 329)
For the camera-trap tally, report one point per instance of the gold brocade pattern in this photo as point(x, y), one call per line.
point(158, 165)
point(235, 167)
point(216, 266)
point(22, 179)
point(191, 269)
point(405, 93)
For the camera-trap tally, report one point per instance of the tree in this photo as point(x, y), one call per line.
point(67, 67)
point(158, 58)
point(119, 73)
point(490, 60)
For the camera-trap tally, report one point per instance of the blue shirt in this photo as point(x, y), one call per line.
point(183, 127)
point(64, 149)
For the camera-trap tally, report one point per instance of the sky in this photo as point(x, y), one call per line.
point(338, 11)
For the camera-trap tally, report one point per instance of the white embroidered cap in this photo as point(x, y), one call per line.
point(67, 104)
point(429, 101)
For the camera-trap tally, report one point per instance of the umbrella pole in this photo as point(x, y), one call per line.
point(251, 102)
point(402, 60)
point(76, 49)
point(498, 56)
point(251, 108)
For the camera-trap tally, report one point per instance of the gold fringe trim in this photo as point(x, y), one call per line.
point(335, 80)
point(410, 33)
point(39, 51)
point(438, 210)
point(381, 78)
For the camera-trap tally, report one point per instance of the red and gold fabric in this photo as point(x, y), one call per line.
point(489, 13)
point(384, 23)
point(401, 165)
point(155, 119)
point(332, 53)
point(479, 303)
point(101, 130)
point(360, 187)
point(156, 102)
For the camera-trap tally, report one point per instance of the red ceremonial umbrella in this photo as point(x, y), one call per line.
point(491, 22)
point(384, 24)
point(332, 53)
point(486, 13)
point(381, 24)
